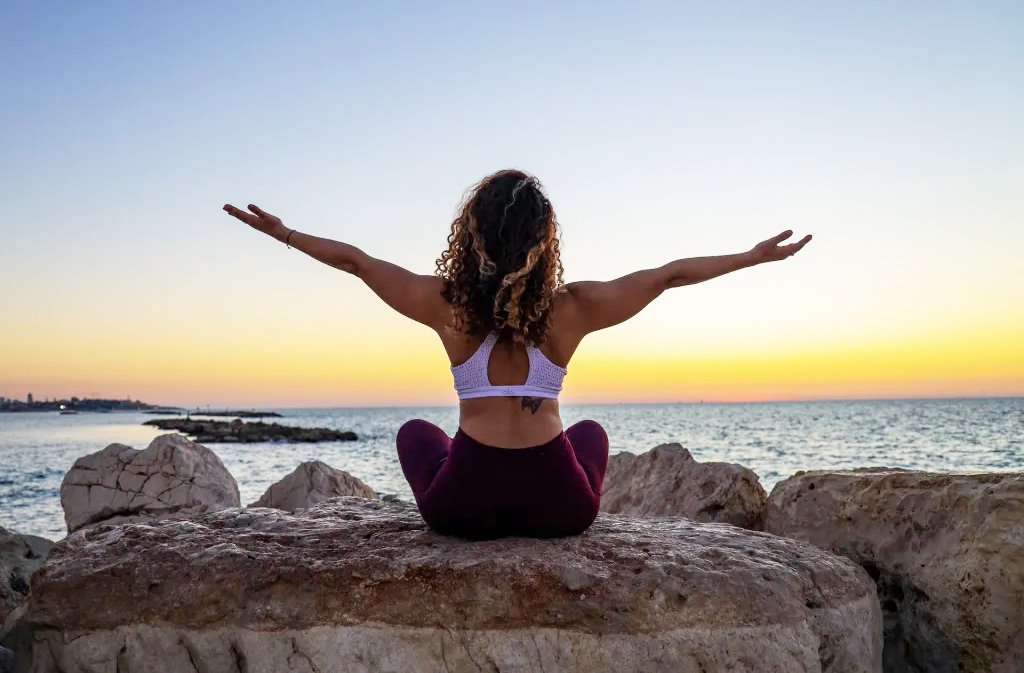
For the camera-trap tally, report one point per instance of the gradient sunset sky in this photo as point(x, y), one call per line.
point(892, 132)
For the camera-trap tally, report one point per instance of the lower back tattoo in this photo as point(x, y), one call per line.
point(532, 403)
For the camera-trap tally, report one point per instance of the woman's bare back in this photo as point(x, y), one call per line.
point(513, 422)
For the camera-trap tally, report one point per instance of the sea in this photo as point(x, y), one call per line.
point(775, 439)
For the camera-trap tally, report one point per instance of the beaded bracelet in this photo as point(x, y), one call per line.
point(287, 237)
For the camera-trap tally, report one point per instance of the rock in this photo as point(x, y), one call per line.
point(15, 642)
point(667, 481)
point(946, 550)
point(172, 478)
point(240, 431)
point(20, 555)
point(312, 483)
point(363, 585)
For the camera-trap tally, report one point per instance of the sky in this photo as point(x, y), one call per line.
point(660, 131)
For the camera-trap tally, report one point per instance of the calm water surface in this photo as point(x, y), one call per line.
point(774, 439)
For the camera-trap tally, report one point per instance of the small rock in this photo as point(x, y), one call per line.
point(311, 483)
point(172, 478)
point(667, 481)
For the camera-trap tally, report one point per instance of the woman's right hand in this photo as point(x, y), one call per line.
point(261, 221)
point(771, 251)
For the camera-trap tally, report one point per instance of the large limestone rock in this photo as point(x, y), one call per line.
point(20, 555)
point(363, 585)
point(172, 478)
point(667, 481)
point(312, 483)
point(947, 552)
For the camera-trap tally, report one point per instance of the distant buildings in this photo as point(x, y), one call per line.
point(74, 404)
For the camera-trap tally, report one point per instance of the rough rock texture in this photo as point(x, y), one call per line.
point(20, 555)
point(946, 550)
point(667, 481)
point(312, 483)
point(15, 642)
point(6, 660)
point(363, 585)
point(172, 478)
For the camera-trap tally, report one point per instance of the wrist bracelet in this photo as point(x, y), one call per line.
point(288, 236)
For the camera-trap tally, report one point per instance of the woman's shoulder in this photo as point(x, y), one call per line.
point(565, 313)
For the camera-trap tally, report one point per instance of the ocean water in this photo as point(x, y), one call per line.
point(775, 439)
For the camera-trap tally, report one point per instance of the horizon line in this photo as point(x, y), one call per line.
point(610, 404)
point(561, 404)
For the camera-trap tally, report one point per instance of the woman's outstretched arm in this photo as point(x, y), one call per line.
point(600, 304)
point(413, 295)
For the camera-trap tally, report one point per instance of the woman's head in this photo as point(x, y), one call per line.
point(502, 265)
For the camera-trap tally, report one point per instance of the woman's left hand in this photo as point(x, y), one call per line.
point(261, 221)
point(771, 251)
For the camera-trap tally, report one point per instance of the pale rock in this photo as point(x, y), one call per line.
point(360, 585)
point(172, 478)
point(312, 483)
point(667, 481)
point(946, 551)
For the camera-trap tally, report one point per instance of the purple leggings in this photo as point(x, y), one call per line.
point(471, 490)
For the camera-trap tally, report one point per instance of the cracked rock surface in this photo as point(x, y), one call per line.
point(363, 585)
point(172, 478)
point(667, 481)
point(946, 551)
point(311, 483)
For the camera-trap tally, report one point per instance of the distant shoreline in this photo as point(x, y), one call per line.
point(50, 406)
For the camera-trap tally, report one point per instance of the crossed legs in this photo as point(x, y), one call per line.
point(423, 448)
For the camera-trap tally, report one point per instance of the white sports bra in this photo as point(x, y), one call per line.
point(471, 381)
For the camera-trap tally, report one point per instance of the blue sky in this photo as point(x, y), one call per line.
point(890, 131)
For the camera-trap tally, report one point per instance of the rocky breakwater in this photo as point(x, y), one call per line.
point(667, 481)
point(172, 478)
point(946, 551)
point(240, 431)
point(360, 585)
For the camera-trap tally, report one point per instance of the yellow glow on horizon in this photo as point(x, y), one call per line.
point(408, 366)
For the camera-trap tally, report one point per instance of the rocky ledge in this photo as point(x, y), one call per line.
point(946, 550)
point(362, 585)
point(240, 431)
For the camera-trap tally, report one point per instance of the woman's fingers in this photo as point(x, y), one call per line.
point(240, 214)
point(794, 248)
point(256, 210)
point(775, 240)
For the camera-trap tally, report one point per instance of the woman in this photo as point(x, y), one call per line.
point(510, 327)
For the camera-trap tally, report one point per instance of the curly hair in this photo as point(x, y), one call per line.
point(502, 265)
